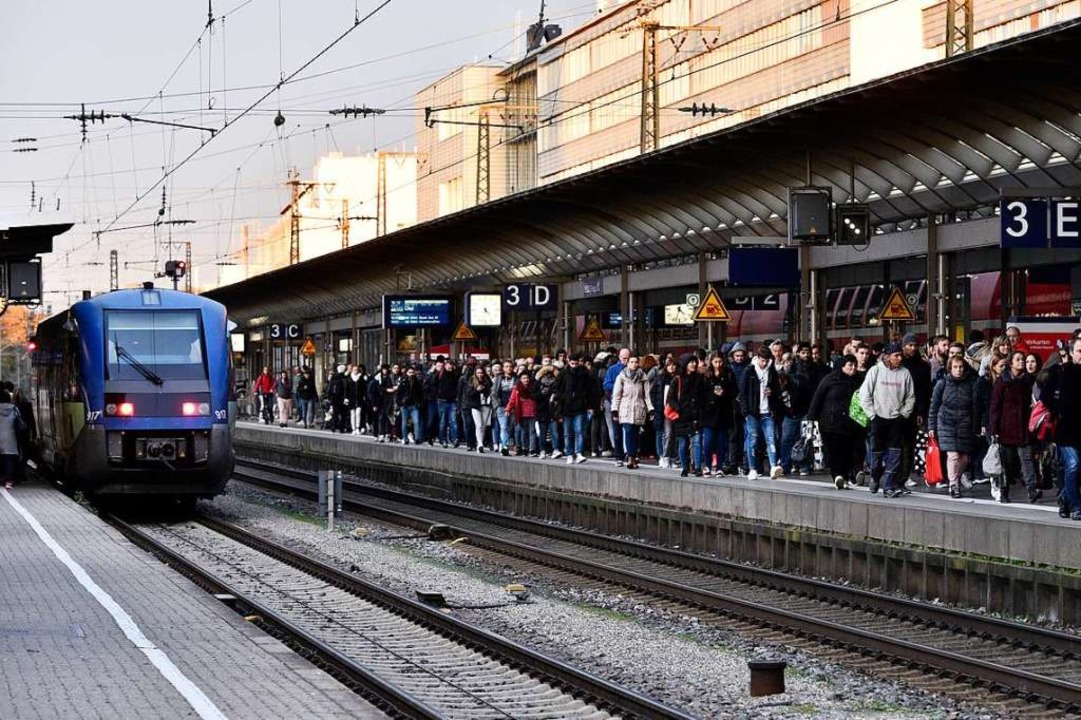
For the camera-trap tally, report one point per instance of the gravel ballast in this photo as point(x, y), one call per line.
point(673, 658)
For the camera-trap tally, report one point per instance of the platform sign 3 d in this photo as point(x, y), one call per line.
point(530, 296)
point(1040, 223)
point(897, 307)
point(712, 308)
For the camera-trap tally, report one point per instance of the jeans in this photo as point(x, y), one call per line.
point(506, 421)
point(888, 441)
point(754, 427)
point(1070, 464)
point(431, 420)
point(630, 440)
point(481, 417)
point(412, 413)
point(661, 439)
point(574, 429)
point(469, 429)
point(686, 454)
point(527, 435)
point(791, 429)
point(714, 442)
point(448, 421)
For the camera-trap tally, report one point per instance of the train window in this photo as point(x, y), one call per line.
point(859, 305)
point(874, 304)
point(167, 342)
point(843, 306)
point(831, 305)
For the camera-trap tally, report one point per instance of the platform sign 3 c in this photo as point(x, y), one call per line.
point(897, 307)
point(712, 308)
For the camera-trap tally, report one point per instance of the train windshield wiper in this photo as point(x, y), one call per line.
point(146, 372)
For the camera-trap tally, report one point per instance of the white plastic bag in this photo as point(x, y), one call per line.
point(992, 461)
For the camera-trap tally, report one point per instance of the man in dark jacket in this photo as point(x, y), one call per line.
point(410, 397)
point(1062, 395)
point(574, 392)
point(920, 370)
point(335, 391)
point(803, 380)
point(446, 385)
point(739, 361)
point(760, 403)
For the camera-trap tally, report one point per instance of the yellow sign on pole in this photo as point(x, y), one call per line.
point(592, 332)
point(712, 308)
point(897, 307)
point(308, 348)
point(463, 333)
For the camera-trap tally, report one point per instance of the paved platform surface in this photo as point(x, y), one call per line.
point(976, 524)
point(93, 627)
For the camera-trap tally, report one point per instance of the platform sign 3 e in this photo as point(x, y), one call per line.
point(530, 296)
point(1040, 223)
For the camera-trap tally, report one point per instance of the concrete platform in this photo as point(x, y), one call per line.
point(93, 627)
point(1018, 532)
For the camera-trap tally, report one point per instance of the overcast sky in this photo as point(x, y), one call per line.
point(117, 56)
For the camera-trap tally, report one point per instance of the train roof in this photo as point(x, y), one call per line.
point(140, 298)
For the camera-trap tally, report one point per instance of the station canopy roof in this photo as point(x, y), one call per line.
point(941, 138)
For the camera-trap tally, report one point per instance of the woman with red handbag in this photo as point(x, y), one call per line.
point(686, 400)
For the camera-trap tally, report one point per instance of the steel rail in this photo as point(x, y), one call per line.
point(386, 696)
point(1051, 691)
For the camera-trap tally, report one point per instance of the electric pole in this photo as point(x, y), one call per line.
point(381, 196)
point(298, 190)
point(959, 27)
point(650, 133)
point(187, 259)
point(484, 158)
point(114, 270)
point(344, 223)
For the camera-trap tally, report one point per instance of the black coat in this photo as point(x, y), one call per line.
point(410, 392)
point(446, 385)
point(687, 396)
point(576, 391)
point(1011, 405)
point(720, 395)
point(920, 370)
point(1062, 395)
point(750, 388)
point(475, 396)
point(955, 412)
point(829, 406)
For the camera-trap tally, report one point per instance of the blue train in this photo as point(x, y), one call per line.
point(132, 392)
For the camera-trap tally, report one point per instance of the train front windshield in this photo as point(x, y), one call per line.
point(166, 344)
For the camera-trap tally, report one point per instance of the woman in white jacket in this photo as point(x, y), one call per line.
point(631, 406)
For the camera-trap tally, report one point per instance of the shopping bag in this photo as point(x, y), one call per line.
point(1041, 423)
point(855, 410)
point(933, 472)
point(992, 461)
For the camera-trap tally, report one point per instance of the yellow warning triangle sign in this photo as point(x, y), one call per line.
point(712, 308)
point(464, 332)
point(592, 332)
point(308, 348)
point(897, 307)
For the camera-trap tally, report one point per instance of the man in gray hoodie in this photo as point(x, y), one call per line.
point(888, 396)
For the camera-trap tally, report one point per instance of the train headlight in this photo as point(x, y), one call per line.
point(204, 408)
point(190, 408)
point(126, 409)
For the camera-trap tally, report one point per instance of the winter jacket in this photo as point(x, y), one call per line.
point(721, 393)
point(9, 439)
point(888, 394)
point(410, 392)
point(355, 387)
point(630, 397)
point(475, 395)
point(264, 384)
point(829, 406)
point(544, 391)
point(955, 415)
point(523, 403)
point(658, 387)
point(750, 390)
point(283, 388)
point(575, 391)
point(801, 387)
point(920, 370)
point(305, 388)
point(502, 387)
point(1011, 405)
point(1062, 395)
point(446, 385)
point(335, 388)
point(610, 377)
point(687, 396)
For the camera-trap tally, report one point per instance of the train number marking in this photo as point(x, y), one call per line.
point(220, 414)
point(93, 416)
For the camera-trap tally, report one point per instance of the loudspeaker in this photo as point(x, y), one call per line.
point(809, 215)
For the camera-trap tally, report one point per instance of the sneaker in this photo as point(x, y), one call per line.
point(580, 458)
point(875, 485)
point(480, 449)
point(1063, 509)
point(570, 459)
point(411, 439)
point(664, 463)
point(981, 481)
point(1075, 515)
point(504, 452)
point(955, 492)
point(706, 472)
point(776, 472)
point(892, 494)
point(606, 453)
point(861, 478)
point(443, 445)
point(557, 454)
point(995, 492)
point(966, 481)
point(544, 456)
point(1034, 495)
point(910, 483)
point(534, 454)
point(719, 473)
point(905, 491)
point(752, 475)
point(804, 472)
point(619, 463)
point(839, 482)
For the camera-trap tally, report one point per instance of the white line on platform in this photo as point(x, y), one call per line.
point(199, 702)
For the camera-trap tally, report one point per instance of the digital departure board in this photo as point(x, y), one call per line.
point(416, 311)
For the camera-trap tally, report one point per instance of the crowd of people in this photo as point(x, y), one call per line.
point(871, 414)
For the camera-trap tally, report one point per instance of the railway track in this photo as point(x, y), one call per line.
point(1023, 668)
point(411, 660)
